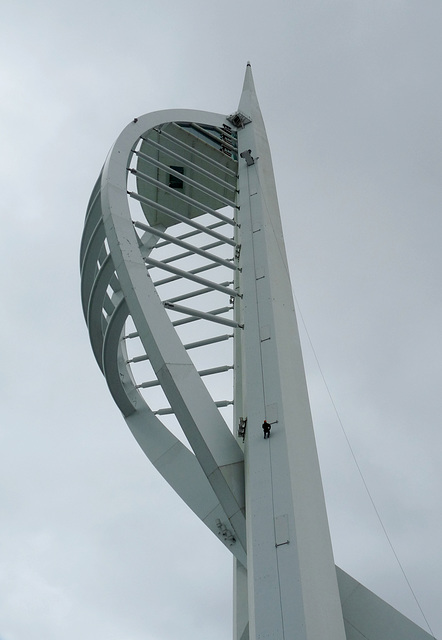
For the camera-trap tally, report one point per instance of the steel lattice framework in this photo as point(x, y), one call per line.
point(187, 297)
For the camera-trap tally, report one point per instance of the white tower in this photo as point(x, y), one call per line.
point(185, 210)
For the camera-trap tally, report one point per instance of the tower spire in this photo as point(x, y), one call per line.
point(248, 103)
point(248, 95)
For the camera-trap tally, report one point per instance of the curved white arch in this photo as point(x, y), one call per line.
point(116, 284)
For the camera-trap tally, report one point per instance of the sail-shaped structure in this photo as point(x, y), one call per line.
point(187, 297)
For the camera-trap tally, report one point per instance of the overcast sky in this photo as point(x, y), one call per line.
point(93, 544)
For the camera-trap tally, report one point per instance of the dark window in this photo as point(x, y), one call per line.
point(174, 181)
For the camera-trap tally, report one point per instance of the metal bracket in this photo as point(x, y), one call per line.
point(239, 120)
point(242, 428)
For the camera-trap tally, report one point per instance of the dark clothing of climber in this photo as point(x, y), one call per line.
point(266, 428)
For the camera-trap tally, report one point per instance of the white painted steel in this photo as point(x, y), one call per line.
point(217, 459)
point(285, 584)
point(292, 589)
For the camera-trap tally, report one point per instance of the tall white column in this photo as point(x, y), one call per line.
point(292, 586)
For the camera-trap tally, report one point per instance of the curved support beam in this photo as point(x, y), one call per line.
point(170, 457)
point(93, 214)
point(119, 381)
point(209, 436)
point(89, 265)
point(180, 468)
point(94, 315)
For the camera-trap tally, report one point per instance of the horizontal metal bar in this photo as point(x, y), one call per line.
point(207, 341)
point(178, 323)
point(185, 245)
point(181, 196)
point(181, 218)
point(130, 336)
point(206, 267)
point(201, 314)
point(215, 370)
point(148, 385)
point(211, 135)
point(214, 312)
point(188, 163)
point(169, 411)
point(188, 347)
point(223, 132)
point(189, 234)
point(184, 178)
point(186, 254)
point(204, 372)
point(190, 276)
point(164, 412)
point(196, 152)
point(142, 358)
point(194, 294)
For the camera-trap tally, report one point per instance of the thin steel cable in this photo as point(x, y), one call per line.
point(360, 471)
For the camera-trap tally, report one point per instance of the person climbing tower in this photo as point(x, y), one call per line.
point(266, 428)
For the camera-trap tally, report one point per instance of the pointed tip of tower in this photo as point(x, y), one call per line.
point(248, 77)
point(248, 97)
